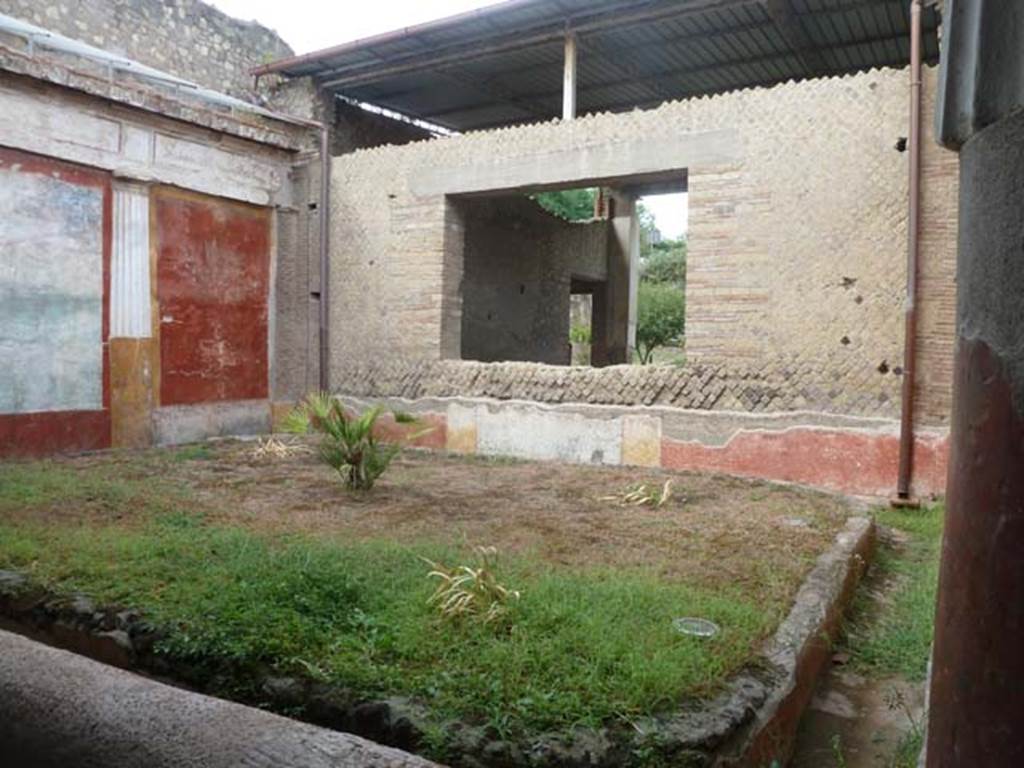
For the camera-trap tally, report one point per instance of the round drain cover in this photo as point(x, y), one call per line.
point(689, 625)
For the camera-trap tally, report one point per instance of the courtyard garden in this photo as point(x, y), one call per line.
point(252, 562)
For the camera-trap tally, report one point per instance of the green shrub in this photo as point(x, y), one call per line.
point(660, 317)
point(580, 333)
point(347, 443)
point(568, 204)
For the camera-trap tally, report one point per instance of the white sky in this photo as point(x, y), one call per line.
point(670, 213)
point(308, 25)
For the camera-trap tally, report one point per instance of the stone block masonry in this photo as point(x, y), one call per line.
point(185, 37)
point(198, 42)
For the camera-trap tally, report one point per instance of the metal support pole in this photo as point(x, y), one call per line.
point(569, 78)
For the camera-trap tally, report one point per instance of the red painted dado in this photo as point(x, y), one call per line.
point(432, 429)
point(213, 278)
point(42, 433)
point(862, 463)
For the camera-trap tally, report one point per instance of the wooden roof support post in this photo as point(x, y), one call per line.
point(569, 79)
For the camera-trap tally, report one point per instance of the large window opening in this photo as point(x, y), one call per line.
point(661, 293)
point(557, 276)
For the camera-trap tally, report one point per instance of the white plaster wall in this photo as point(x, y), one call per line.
point(51, 294)
point(533, 432)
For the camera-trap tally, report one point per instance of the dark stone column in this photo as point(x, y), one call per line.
point(977, 689)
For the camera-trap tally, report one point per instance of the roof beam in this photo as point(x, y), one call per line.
point(812, 62)
point(618, 56)
point(674, 76)
point(622, 13)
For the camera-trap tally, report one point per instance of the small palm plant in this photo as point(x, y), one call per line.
point(467, 592)
point(347, 442)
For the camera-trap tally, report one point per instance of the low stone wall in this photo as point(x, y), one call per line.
point(61, 709)
point(703, 386)
point(848, 454)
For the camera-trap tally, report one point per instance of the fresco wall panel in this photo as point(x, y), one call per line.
point(213, 278)
point(54, 281)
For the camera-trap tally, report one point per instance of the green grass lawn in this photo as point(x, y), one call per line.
point(892, 637)
point(584, 645)
point(895, 638)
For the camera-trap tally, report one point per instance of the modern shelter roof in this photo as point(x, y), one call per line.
point(503, 64)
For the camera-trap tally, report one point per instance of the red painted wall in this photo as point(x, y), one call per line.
point(213, 276)
point(844, 460)
point(36, 434)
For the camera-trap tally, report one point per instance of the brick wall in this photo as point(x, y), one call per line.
point(797, 247)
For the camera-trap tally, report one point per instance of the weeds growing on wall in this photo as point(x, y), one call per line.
point(347, 443)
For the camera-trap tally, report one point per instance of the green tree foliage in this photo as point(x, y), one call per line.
point(568, 204)
point(660, 317)
point(661, 311)
point(647, 228)
point(580, 333)
point(666, 263)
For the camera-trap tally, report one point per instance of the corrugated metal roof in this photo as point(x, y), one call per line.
point(503, 64)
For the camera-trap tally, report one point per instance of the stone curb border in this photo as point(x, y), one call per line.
point(802, 644)
point(752, 723)
point(61, 709)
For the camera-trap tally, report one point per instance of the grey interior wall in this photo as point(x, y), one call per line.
point(356, 128)
point(518, 264)
point(296, 290)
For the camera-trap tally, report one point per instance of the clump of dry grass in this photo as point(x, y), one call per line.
point(274, 448)
point(475, 593)
point(642, 495)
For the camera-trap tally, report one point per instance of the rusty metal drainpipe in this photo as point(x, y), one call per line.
point(906, 462)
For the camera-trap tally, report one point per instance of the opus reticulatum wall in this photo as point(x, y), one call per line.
point(795, 289)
